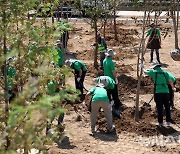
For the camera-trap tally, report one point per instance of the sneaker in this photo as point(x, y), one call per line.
point(116, 112)
point(111, 129)
point(93, 130)
point(168, 124)
point(160, 124)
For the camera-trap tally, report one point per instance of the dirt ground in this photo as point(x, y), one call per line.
point(130, 136)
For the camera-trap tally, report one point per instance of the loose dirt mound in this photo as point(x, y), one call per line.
point(144, 127)
point(128, 85)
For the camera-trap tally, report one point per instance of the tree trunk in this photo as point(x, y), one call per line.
point(115, 25)
point(96, 47)
point(4, 20)
point(173, 16)
point(139, 74)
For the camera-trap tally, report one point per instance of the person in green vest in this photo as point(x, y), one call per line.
point(161, 80)
point(102, 47)
point(99, 100)
point(171, 91)
point(109, 70)
point(79, 72)
point(154, 41)
point(59, 49)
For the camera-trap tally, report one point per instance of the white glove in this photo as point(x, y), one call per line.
point(174, 89)
point(116, 80)
point(142, 66)
point(78, 79)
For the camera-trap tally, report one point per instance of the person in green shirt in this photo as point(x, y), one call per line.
point(171, 92)
point(99, 100)
point(111, 91)
point(79, 72)
point(109, 70)
point(161, 80)
point(51, 90)
point(60, 53)
point(154, 41)
point(11, 74)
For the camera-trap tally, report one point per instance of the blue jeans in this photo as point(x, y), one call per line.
point(157, 55)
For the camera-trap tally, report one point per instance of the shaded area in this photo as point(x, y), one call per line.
point(65, 143)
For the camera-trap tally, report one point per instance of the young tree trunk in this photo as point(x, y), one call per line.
point(115, 25)
point(96, 47)
point(173, 16)
point(140, 72)
point(4, 20)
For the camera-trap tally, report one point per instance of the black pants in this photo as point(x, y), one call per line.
point(115, 97)
point(162, 99)
point(102, 57)
point(157, 55)
point(79, 85)
point(171, 95)
point(60, 121)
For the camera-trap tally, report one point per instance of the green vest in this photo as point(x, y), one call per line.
point(101, 47)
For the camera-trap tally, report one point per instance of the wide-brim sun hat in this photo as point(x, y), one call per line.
point(103, 80)
point(156, 64)
point(110, 52)
point(101, 85)
point(58, 42)
point(69, 62)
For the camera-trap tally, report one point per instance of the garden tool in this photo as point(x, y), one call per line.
point(145, 104)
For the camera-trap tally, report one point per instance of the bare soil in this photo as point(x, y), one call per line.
point(130, 136)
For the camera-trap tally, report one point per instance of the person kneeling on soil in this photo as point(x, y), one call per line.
point(79, 74)
point(161, 80)
point(111, 92)
point(100, 100)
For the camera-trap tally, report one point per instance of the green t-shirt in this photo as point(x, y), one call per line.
point(61, 58)
point(172, 77)
point(162, 80)
point(108, 65)
point(99, 94)
point(51, 88)
point(11, 72)
point(150, 31)
point(77, 65)
point(110, 81)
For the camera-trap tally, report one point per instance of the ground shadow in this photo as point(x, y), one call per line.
point(104, 136)
point(164, 65)
point(167, 131)
point(65, 143)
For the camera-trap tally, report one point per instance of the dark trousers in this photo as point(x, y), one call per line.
point(79, 85)
point(157, 54)
point(102, 57)
point(171, 95)
point(115, 97)
point(60, 121)
point(162, 99)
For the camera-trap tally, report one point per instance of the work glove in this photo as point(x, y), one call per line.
point(116, 80)
point(174, 89)
point(142, 66)
point(78, 79)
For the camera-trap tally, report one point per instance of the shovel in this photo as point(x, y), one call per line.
point(145, 104)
